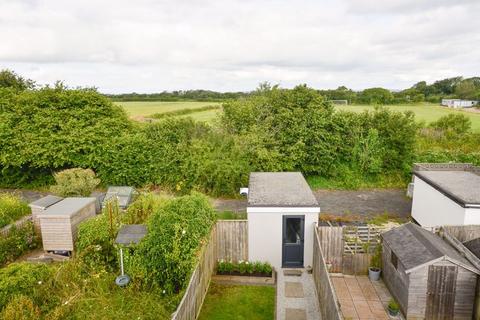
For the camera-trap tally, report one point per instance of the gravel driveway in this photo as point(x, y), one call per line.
point(339, 202)
point(336, 202)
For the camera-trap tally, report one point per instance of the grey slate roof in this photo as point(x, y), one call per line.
point(131, 234)
point(461, 186)
point(279, 189)
point(45, 202)
point(123, 193)
point(415, 246)
point(68, 206)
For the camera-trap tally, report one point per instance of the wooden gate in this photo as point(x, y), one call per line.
point(441, 292)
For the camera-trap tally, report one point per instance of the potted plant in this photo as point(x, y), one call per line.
point(393, 308)
point(375, 263)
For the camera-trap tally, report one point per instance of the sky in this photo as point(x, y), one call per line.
point(122, 46)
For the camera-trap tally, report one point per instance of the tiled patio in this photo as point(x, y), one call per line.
point(361, 298)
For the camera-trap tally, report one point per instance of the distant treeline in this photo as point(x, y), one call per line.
point(181, 95)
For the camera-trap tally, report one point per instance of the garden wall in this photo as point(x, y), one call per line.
point(329, 306)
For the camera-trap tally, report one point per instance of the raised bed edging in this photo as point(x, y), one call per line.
point(246, 280)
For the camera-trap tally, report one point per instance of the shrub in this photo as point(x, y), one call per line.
point(453, 123)
point(143, 207)
point(96, 237)
point(23, 279)
point(243, 267)
point(75, 182)
point(176, 232)
point(18, 241)
point(12, 208)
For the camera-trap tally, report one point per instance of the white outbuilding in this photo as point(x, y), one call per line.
point(458, 103)
point(446, 194)
point(282, 213)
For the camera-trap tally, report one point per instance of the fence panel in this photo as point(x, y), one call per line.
point(328, 302)
point(192, 300)
point(331, 242)
point(18, 224)
point(232, 240)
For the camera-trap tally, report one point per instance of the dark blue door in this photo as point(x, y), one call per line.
point(293, 238)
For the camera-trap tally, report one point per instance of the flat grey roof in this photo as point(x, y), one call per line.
point(131, 234)
point(459, 185)
point(123, 193)
point(46, 201)
point(68, 206)
point(415, 246)
point(279, 189)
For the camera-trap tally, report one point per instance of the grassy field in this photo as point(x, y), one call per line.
point(146, 108)
point(225, 302)
point(425, 112)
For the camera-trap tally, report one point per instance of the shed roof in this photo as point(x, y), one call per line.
point(415, 247)
point(279, 189)
point(124, 195)
point(461, 184)
point(131, 234)
point(473, 246)
point(68, 206)
point(45, 202)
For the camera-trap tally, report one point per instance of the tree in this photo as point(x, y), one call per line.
point(9, 79)
point(375, 96)
point(466, 90)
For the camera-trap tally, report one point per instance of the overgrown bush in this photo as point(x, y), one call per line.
point(96, 239)
point(176, 233)
point(12, 208)
point(143, 207)
point(455, 123)
point(75, 182)
point(244, 267)
point(18, 241)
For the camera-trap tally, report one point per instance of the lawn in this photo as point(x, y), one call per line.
point(423, 111)
point(146, 108)
point(224, 302)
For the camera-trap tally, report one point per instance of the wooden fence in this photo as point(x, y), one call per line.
point(329, 306)
point(19, 223)
point(191, 303)
point(232, 240)
point(348, 249)
point(228, 240)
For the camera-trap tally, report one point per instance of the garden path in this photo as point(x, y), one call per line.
point(296, 297)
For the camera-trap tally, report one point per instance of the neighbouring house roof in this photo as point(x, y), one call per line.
point(416, 247)
point(131, 234)
point(124, 195)
point(279, 189)
point(45, 202)
point(473, 246)
point(459, 182)
point(68, 206)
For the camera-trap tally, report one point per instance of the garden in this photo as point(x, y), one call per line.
point(84, 286)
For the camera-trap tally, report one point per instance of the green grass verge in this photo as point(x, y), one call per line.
point(225, 302)
point(423, 112)
point(230, 215)
point(357, 182)
point(147, 108)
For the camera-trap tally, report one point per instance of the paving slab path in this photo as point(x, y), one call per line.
point(296, 297)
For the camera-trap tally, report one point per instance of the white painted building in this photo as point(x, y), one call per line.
point(459, 103)
point(282, 213)
point(446, 194)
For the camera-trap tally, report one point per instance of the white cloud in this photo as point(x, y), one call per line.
point(147, 45)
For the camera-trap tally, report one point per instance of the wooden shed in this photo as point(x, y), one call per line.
point(60, 221)
point(426, 275)
point(39, 206)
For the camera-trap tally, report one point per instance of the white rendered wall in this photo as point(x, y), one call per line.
point(472, 216)
point(265, 235)
point(431, 208)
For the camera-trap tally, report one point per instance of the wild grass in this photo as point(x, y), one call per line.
point(355, 182)
point(230, 215)
point(147, 108)
point(12, 208)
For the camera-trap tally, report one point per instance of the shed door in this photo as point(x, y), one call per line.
point(293, 238)
point(441, 292)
